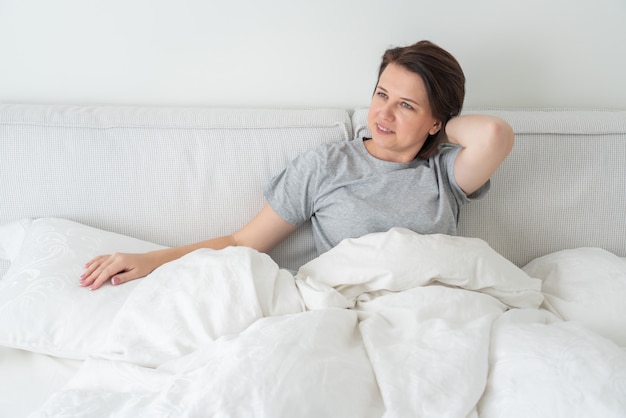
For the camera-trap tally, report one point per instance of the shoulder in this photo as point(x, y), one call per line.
point(335, 148)
point(328, 153)
point(446, 155)
point(447, 150)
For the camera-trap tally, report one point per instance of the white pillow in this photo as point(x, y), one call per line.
point(42, 306)
point(11, 238)
point(587, 285)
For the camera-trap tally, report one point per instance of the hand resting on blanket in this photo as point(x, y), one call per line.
point(265, 231)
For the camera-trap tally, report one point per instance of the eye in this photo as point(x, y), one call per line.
point(381, 94)
point(406, 106)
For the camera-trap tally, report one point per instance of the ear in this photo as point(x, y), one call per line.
point(435, 128)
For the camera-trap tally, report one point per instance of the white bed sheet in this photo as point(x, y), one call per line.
point(4, 267)
point(27, 379)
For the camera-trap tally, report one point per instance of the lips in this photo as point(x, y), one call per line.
point(381, 129)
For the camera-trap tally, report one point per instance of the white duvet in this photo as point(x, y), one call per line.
point(393, 324)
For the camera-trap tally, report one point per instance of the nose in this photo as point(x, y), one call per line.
point(385, 112)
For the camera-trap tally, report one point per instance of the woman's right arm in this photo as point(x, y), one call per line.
point(262, 233)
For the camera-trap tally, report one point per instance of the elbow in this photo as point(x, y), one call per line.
point(500, 137)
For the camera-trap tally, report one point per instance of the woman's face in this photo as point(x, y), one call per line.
point(399, 117)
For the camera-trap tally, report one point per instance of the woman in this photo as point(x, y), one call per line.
point(400, 177)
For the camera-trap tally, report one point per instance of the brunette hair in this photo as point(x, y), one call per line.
point(443, 78)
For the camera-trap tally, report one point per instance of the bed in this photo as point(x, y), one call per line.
point(519, 315)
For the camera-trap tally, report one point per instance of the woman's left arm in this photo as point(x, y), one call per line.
point(486, 142)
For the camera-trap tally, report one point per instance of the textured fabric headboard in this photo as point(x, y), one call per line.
point(563, 186)
point(166, 175)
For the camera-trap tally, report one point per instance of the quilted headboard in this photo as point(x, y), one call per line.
point(563, 186)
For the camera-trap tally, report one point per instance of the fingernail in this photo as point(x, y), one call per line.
point(115, 281)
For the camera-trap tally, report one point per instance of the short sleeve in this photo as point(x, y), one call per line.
point(291, 192)
point(447, 157)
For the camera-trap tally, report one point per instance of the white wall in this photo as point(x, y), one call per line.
point(305, 53)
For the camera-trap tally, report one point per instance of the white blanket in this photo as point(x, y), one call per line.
point(392, 324)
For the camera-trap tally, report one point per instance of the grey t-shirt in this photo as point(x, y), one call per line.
point(348, 193)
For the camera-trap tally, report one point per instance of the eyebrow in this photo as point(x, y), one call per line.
point(406, 99)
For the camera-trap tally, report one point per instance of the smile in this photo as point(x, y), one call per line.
point(383, 129)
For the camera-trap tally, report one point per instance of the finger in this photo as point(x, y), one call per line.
point(96, 259)
point(92, 266)
point(116, 279)
point(113, 266)
point(94, 270)
point(101, 271)
point(122, 278)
